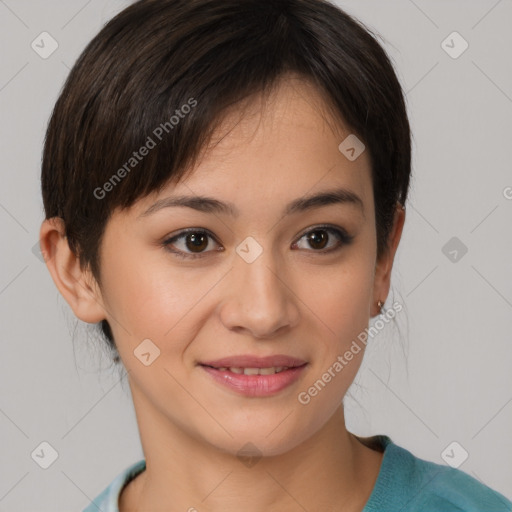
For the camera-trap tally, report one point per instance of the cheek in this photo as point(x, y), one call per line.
point(340, 300)
point(152, 297)
point(149, 297)
point(341, 314)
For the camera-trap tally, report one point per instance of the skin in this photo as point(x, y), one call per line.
point(290, 300)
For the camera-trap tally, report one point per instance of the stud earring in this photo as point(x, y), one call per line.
point(380, 304)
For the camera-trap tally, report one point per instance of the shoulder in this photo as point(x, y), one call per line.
point(446, 488)
point(406, 482)
point(108, 499)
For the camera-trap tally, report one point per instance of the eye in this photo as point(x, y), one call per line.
point(194, 241)
point(318, 238)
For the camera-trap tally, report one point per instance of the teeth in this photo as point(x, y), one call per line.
point(256, 371)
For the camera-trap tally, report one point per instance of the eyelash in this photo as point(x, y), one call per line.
point(344, 237)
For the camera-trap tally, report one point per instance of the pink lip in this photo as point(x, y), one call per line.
point(248, 361)
point(255, 385)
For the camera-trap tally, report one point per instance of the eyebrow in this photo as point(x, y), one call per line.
point(211, 205)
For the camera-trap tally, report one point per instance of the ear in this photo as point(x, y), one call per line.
point(383, 267)
point(78, 287)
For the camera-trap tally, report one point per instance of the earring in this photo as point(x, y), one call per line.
point(380, 304)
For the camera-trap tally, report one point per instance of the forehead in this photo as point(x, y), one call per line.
point(294, 106)
point(275, 149)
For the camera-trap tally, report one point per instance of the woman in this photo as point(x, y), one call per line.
point(224, 185)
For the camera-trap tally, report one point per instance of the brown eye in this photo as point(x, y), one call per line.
point(196, 241)
point(193, 243)
point(318, 238)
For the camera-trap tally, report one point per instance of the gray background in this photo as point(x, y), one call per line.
point(452, 383)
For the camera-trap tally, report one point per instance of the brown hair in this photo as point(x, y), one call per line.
point(157, 56)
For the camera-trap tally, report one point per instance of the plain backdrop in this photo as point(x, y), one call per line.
point(444, 376)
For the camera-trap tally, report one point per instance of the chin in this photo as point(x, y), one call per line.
point(253, 441)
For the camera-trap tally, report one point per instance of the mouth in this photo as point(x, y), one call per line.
point(252, 371)
point(255, 376)
point(250, 362)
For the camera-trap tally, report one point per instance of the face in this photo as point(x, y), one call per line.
point(257, 281)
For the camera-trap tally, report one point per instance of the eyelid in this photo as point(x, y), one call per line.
point(331, 227)
point(190, 230)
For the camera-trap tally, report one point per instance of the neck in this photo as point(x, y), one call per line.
point(330, 470)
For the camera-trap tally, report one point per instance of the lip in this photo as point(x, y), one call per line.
point(250, 361)
point(255, 385)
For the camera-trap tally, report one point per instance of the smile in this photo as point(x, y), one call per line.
point(255, 382)
point(254, 371)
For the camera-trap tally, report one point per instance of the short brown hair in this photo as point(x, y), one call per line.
point(156, 56)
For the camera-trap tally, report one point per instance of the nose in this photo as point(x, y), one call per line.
point(259, 298)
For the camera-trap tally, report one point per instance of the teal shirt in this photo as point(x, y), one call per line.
point(405, 483)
